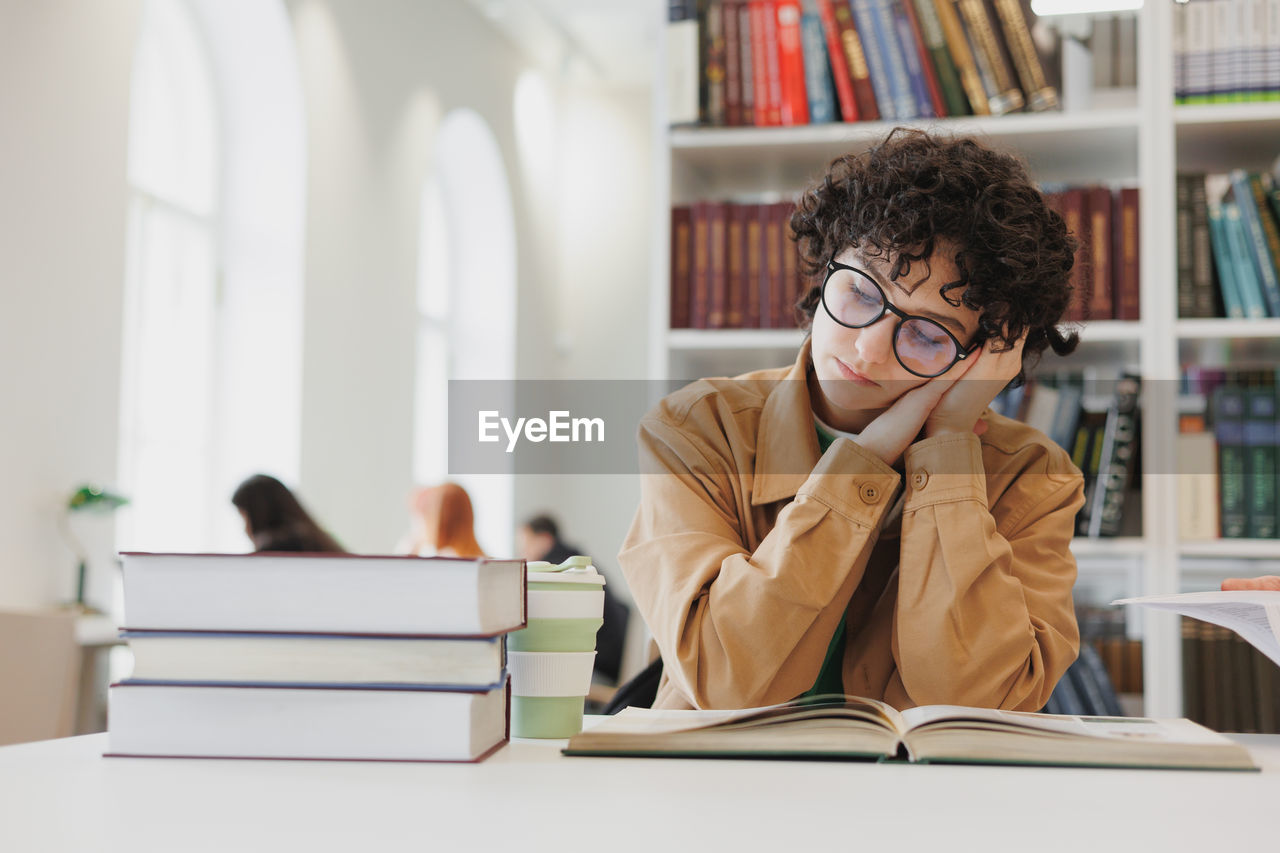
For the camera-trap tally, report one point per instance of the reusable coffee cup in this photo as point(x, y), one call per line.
point(551, 660)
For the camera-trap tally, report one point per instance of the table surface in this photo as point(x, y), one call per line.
point(62, 795)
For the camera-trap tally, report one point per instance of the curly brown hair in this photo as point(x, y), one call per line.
point(913, 191)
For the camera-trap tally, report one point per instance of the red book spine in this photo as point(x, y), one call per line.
point(1073, 211)
point(775, 267)
point(791, 279)
point(794, 100)
point(1126, 256)
point(839, 64)
point(1101, 306)
point(700, 291)
point(736, 280)
point(718, 285)
point(681, 266)
point(753, 263)
point(773, 73)
point(859, 71)
point(759, 63)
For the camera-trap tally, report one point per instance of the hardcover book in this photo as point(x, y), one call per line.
point(323, 593)
point(331, 723)
point(853, 728)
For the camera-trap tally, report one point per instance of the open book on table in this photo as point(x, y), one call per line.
point(1254, 614)
point(848, 727)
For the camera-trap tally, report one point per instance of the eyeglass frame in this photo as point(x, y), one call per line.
point(962, 352)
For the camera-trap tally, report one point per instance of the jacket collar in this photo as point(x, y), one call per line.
point(787, 445)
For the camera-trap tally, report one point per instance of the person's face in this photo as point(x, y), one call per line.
point(856, 374)
point(533, 546)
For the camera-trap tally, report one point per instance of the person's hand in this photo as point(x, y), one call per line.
point(896, 428)
point(959, 408)
point(1264, 582)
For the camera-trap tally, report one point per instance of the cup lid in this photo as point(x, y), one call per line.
point(576, 569)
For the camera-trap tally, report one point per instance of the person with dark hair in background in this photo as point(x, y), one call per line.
point(861, 522)
point(275, 520)
point(539, 539)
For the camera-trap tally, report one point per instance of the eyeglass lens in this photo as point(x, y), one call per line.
point(922, 346)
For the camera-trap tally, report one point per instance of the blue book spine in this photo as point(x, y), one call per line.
point(1221, 251)
point(1247, 282)
point(899, 80)
point(877, 63)
point(817, 70)
point(1259, 254)
point(912, 60)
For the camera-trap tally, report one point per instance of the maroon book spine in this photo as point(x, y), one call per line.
point(681, 266)
point(718, 271)
point(753, 265)
point(700, 289)
point(1101, 306)
point(735, 256)
point(1127, 273)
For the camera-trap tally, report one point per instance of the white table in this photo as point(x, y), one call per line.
point(62, 796)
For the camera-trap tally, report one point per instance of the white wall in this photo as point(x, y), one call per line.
point(64, 86)
point(377, 77)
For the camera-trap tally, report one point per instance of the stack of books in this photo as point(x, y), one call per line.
point(316, 656)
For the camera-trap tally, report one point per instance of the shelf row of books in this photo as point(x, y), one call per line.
point(1226, 51)
point(786, 62)
point(1227, 684)
point(307, 656)
point(1228, 232)
point(734, 266)
point(1098, 424)
point(1228, 450)
point(1106, 223)
point(1104, 628)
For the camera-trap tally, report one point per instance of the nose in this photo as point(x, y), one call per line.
point(875, 342)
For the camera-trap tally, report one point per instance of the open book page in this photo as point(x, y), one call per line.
point(1129, 728)
point(827, 726)
point(1253, 614)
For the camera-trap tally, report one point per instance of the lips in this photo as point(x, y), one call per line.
point(854, 376)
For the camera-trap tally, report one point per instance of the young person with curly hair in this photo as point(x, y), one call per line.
point(862, 522)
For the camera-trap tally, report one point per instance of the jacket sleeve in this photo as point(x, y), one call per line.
point(984, 614)
point(737, 628)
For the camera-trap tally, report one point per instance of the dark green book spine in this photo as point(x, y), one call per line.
point(935, 41)
point(1259, 436)
point(1228, 413)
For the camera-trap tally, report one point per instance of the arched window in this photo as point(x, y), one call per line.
point(211, 374)
point(466, 304)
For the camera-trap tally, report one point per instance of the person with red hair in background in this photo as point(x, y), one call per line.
point(443, 523)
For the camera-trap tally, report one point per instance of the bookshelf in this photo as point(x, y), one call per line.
point(1145, 145)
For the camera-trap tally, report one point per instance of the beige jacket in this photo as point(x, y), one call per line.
point(749, 545)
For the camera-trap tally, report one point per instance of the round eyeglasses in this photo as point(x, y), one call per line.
point(922, 346)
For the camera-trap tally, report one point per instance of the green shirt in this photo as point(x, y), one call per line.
point(830, 679)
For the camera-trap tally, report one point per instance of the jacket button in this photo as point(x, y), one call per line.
point(920, 479)
point(870, 494)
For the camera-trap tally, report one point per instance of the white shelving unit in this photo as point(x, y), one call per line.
point(1146, 146)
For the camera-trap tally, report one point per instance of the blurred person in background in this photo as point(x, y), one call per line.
point(275, 520)
point(443, 523)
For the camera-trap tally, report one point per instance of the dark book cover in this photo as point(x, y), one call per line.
point(681, 265)
point(924, 83)
point(1099, 202)
point(1260, 436)
point(851, 40)
point(1037, 92)
point(735, 258)
point(958, 47)
point(1126, 254)
point(1228, 416)
point(1003, 93)
point(1184, 252)
point(732, 63)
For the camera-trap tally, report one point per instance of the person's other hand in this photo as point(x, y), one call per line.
point(1264, 582)
point(896, 428)
point(988, 372)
